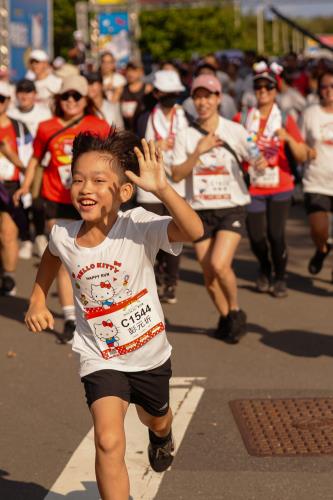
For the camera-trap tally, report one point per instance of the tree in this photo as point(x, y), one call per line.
point(64, 25)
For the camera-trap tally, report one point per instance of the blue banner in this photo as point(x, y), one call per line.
point(29, 28)
point(114, 35)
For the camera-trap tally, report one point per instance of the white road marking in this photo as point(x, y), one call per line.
point(79, 473)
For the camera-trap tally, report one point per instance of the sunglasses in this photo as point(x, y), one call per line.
point(267, 86)
point(72, 93)
point(3, 98)
point(325, 87)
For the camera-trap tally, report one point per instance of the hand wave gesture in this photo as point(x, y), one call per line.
point(152, 173)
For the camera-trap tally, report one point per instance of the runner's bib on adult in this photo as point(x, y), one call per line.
point(216, 181)
point(57, 174)
point(120, 322)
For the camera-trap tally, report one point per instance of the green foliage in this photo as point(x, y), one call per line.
point(64, 25)
point(180, 33)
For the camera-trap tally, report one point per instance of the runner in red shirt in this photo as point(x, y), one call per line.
point(53, 146)
point(271, 188)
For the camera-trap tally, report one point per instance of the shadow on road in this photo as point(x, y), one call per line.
point(296, 342)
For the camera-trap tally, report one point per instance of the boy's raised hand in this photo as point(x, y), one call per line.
point(152, 173)
point(38, 318)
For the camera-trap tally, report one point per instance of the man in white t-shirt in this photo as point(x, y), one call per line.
point(47, 84)
point(120, 333)
point(165, 121)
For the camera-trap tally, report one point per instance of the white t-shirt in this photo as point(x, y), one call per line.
point(111, 82)
point(31, 118)
point(317, 130)
point(111, 113)
point(160, 127)
point(47, 88)
point(120, 322)
point(216, 182)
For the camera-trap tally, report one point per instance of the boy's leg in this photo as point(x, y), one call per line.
point(112, 478)
point(161, 445)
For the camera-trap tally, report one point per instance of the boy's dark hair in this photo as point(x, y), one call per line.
point(118, 147)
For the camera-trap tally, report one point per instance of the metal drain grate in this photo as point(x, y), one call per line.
point(285, 427)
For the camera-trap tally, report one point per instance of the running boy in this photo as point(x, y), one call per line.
point(120, 334)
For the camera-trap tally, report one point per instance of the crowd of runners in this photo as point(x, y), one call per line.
point(237, 135)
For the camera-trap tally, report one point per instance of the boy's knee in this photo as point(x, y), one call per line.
point(111, 444)
point(221, 269)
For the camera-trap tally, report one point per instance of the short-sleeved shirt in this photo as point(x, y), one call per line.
point(317, 128)
point(217, 181)
point(120, 322)
point(274, 151)
point(57, 175)
point(8, 171)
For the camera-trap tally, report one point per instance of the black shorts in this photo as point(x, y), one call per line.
point(7, 205)
point(316, 202)
point(55, 210)
point(222, 219)
point(149, 388)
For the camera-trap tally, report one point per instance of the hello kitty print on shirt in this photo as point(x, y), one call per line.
point(103, 293)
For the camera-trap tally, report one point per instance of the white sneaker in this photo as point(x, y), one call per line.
point(25, 251)
point(41, 244)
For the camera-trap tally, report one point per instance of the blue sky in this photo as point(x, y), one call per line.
point(296, 8)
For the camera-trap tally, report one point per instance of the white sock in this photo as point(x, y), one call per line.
point(69, 313)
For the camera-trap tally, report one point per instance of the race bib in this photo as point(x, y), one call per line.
point(211, 183)
point(270, 178)
point(7, 169)
point(128, 108)
point(125, 326)
point(65, 175)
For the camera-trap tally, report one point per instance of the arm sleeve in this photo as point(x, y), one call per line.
point(53, 242)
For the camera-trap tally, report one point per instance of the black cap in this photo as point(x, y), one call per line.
point(94, 77)
point(25, 85)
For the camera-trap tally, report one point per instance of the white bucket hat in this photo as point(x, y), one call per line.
point(167, 81)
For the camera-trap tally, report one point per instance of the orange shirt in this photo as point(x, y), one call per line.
point(8, 171)
point(57, 175)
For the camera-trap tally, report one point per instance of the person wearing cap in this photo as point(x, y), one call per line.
point(113, 82)
point(12, 218)
point(165, 121)
point(280, 142)
point(74, 113)
point(215, 188)
point(47, 84)
point(31, 113)
point(109, 111)
point(132, 96)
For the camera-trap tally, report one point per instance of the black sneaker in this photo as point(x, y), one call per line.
point(222, 329)
point(237, 326)
point(263, 283)
point(169, 295)
point(161, 457)
point(317, 261)
point(8, 286)
point(280, 290)
point(68, 331)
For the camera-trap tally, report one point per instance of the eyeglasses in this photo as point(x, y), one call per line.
point(325, 87)
point(3, 98)
point(72, 93)
point(267, 86)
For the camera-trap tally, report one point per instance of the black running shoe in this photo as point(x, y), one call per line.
point(169, 295)
point(317, 261)
point(222, 329)
point(8, 286)
point(68, 331)
point(263, 283)
point(161, 457)
point(280, 290)
point(237, 326)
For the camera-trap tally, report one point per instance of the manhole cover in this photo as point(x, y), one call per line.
point(285, 427)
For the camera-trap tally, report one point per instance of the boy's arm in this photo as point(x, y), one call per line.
point(186, 225)
point(38, 317)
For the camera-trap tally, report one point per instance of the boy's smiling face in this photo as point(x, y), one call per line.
point(97, 190)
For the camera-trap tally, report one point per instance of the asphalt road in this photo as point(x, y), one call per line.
point(287, 353)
